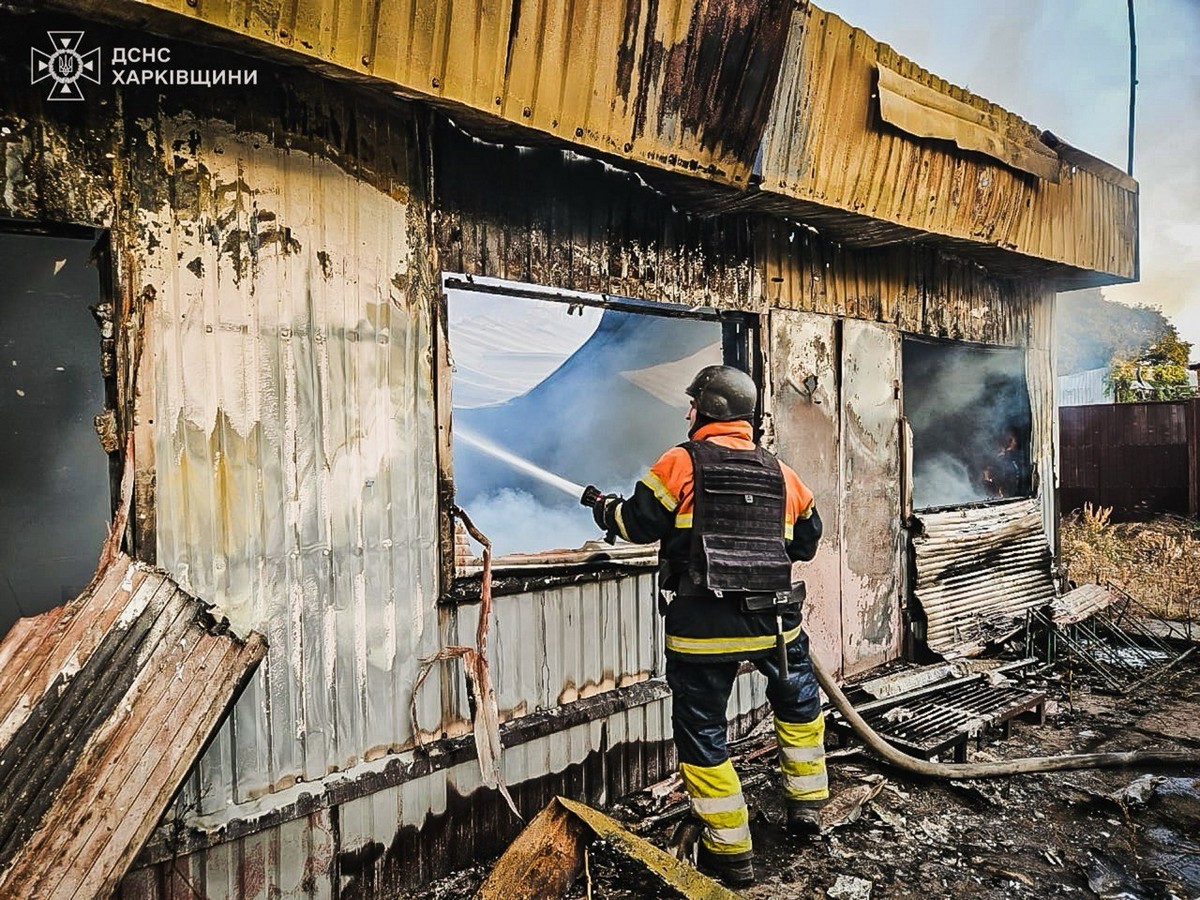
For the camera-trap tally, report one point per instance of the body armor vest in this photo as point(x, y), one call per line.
point(740, 503)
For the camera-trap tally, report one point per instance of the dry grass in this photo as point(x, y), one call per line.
point(1157, 562)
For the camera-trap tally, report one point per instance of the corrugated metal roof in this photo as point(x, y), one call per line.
point(826, 143)
point(978, 569)
point(105, 704)
point(705, 88)
point(677, 84)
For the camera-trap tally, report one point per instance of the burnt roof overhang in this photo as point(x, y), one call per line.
point(723, 106)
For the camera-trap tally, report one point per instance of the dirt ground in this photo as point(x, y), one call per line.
point(1108, 834)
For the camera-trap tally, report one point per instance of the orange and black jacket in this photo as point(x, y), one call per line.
point(702, 626)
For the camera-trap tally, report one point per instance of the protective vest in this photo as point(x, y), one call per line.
point(738, 522)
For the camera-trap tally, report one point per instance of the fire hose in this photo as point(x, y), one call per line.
point(1127, 760)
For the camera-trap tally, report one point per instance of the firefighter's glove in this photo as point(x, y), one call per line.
point(601, 508)
point(600, 504)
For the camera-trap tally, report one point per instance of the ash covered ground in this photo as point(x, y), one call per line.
point(1110, 834)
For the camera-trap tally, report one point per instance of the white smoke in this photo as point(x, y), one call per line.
point(516, 522)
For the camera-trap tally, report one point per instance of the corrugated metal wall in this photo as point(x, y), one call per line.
point(698, 87)
point(911, 286)
point(1139, 458)
point(1083, 388)
point(293, 442)
point(825, 143)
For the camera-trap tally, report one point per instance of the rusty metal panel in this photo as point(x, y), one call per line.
point(807, 430)
point(683, 85)
point(104, 706)
point(978, 569)
point(826, 145)
point(870, 478)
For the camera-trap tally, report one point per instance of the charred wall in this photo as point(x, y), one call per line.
point(276, 254)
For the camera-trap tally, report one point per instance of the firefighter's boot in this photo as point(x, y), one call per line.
point(803, 820)
point(717, 801)
point(802, 762)
point(736, 873)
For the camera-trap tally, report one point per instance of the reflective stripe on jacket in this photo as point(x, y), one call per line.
point(703, 626)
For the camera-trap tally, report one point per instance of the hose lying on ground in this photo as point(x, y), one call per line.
point(894, 757)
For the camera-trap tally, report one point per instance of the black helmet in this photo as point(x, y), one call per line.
point(723, 393)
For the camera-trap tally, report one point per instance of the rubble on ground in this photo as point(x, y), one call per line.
point(1076, 834)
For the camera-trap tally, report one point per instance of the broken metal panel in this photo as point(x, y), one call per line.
point(105, 705)
point(1119, 640)
point(681, 84)
point(978, 570)
point(870, 496)
point(926, 112)
point(804, 382)
point(826, 145)
point(1080, 603)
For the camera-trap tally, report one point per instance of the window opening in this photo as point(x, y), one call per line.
point(55, 496)
point(554, 390)
point(968, 408)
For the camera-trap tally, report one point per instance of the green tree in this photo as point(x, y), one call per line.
point(1158, 372)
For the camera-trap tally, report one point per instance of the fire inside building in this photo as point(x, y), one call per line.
point(422, 256)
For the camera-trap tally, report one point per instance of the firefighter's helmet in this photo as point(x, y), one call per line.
point(723, 393)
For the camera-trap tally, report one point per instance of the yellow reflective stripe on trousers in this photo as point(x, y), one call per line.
point(802, 758)
point(728, 644)
point(717, 801)
point(806, 787)
point(802, 754)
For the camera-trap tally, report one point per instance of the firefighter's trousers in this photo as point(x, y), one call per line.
point(700, 695)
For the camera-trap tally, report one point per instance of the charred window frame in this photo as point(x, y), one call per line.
point(80, 388)
point(968, 425)
point(739, 346)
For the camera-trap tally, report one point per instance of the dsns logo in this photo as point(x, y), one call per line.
point(64, 65)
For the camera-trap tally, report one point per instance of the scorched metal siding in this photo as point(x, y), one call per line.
point(978, 570)
point(826, 145)
point(683, 85)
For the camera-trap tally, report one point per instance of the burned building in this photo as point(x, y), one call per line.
point(363, 262)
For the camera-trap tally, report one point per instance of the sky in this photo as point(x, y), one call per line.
point(1064, 66)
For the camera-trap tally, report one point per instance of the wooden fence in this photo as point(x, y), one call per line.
point(1139, 458)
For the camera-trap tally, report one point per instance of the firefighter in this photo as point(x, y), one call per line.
point(731, 518)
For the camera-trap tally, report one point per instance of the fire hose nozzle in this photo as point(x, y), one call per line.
point(591, 496)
